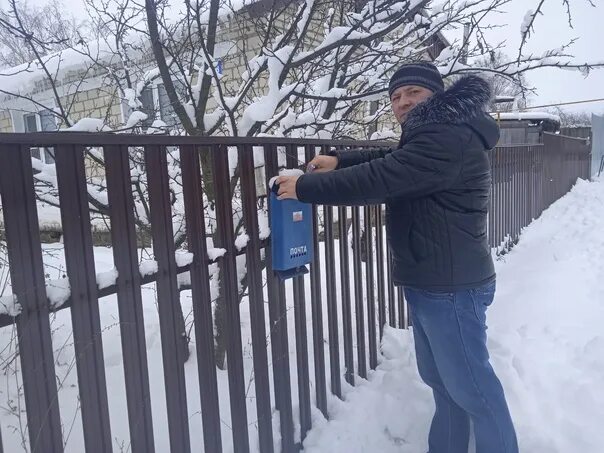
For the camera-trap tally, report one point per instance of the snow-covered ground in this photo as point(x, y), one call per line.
point(546, 338)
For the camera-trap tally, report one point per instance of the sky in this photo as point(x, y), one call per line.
point(551, 31)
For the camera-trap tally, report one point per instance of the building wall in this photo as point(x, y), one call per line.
point(95, 103)
point(239, 41)
point(6, 124)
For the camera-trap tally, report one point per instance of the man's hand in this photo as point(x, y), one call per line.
point(323, 164)
point(287, 187)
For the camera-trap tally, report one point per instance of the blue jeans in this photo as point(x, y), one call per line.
point(452, 358)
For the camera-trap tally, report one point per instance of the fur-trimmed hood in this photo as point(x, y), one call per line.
point(466, 101)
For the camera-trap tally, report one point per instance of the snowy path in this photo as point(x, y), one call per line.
point(546, 336)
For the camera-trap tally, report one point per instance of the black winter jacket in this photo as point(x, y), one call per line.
point(436, 187)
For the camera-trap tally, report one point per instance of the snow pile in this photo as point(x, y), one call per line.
point(88, 125)
point(58, 292)
point(183, 258)
point(9, 305)
point(285, 172)
point(215, 253)
point(107, 278)
point(530, 116)
point(545, 338)
point(386, 134)
point(135, 118)
point(241, 241)
point(148, 267)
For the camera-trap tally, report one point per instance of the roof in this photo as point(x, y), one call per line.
point(526, 116)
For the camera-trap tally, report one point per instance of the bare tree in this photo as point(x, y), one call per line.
point(48, 28)
point(571, 119)
point(304, 68)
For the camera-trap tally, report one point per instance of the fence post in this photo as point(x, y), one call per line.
point(27, 281)
point(79, 260)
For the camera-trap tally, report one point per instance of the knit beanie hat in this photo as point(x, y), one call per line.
point(421, 73)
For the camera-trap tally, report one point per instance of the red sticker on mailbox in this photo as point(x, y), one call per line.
point(298, 217)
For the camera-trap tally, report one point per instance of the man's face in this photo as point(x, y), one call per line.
point(404, 98)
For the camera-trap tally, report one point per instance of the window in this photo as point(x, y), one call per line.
point(30, 121)
point(148, 107)
point(48, 121)
point(36, 122)
point(166, 110)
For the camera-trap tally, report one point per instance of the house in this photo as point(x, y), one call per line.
point(525, 127)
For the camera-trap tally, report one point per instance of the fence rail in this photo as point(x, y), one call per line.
point(339, 309)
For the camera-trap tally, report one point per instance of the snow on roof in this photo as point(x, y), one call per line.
point(22, 79)
point(534, 116)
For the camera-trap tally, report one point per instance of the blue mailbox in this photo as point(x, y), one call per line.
point(291, 235)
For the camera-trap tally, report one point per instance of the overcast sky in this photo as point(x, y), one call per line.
point(551, 30)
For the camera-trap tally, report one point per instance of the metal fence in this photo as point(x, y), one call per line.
point(348, 294)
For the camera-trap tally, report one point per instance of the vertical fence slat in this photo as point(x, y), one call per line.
point(529, 185)
point(27, 281)
point(499, 219)
point(489, 215)
point(517, 201)
point(509, 195)
point(190, 163)
point(225, 236)
point(300, 323)
point(391, 290)
point(400, 298)
point(379, 252)
point(173, 339)
point(517, 194)
point(358, 294)
point(332, 300)
point(256, 299)
point(345, 293)
point(130, 306)
point(79, 261)
point(317, 310)
point(278, 323)
point(302, 356)
point(370, 281)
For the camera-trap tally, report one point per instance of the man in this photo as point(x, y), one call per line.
point(436, 188)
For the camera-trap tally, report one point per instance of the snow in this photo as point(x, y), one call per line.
point(384, 135)
point(183, 258)
point(21, 79)
point(157, 127)
point(215, 253)
point(148, 267)
point(131, 99)
point(241, 241)
point(545, 338)
point(526, 116)
point(285, 172)
point(263, 225)
point(264, 108)
point(58, 291)
point(545, 335)
point(135, 118)
point(107, 278)
point(340, 33)
point(526, 23)
point(308, 4)
point(9, 305)
point(88, 125)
